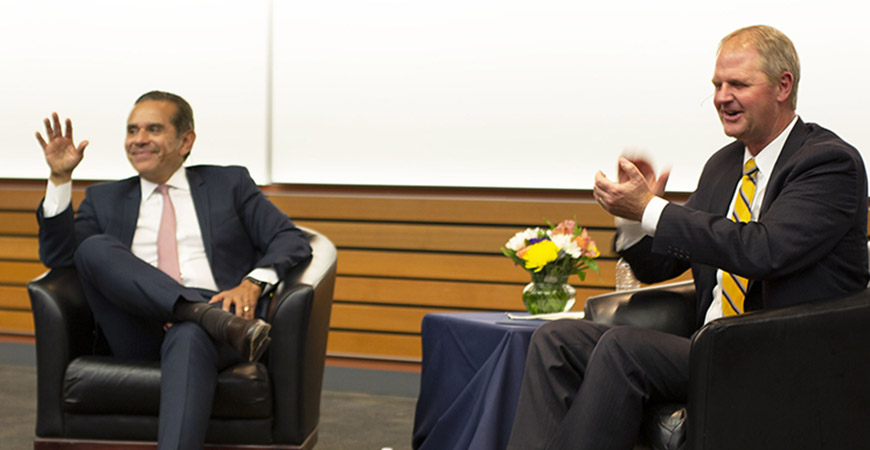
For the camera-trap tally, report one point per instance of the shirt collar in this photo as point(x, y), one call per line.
point(178, 180)
point(766, 158)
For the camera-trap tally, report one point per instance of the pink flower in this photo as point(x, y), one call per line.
point(566, 227)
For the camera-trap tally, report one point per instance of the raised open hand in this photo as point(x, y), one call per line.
point(61, 153)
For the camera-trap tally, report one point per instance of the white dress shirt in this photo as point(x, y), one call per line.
point(195, 270)
point(631, 232)
point(192, 259)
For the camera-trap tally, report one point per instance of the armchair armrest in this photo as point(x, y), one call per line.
point(64, 330)
point(669, 308)
point(300, 314)
point(789, 378)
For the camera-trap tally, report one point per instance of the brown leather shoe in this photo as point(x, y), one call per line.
point(249, 337)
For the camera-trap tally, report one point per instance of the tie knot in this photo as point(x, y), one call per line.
point(749, 169)
point(163, 189)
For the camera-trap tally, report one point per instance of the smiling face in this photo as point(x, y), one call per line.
point(153, 146)
point(751, 107)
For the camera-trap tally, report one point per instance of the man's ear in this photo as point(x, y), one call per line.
point(785, 84)
point(187, 142)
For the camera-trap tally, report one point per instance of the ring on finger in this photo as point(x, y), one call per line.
point(246, 308)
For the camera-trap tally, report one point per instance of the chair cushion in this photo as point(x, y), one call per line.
point(94, 385)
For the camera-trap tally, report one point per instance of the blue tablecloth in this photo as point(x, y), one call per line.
point(470, 382)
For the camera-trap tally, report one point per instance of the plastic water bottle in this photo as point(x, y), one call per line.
point(625, 277)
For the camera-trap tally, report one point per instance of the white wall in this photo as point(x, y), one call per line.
point(89, 60)
point(413, 92)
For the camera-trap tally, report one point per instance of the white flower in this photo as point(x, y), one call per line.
point(566, 243)
point(518, 242)
point(573, 250)
point(561, 240)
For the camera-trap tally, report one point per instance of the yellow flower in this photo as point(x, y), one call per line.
point(539, 255)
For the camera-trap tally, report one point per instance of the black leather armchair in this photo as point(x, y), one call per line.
point(793, 378)
point(88, 399)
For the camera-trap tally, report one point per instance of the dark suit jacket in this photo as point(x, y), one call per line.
point(810, 240)
point(241, 229)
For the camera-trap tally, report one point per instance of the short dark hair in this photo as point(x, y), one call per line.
point(183, 118)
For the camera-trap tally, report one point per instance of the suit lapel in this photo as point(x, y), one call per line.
point(199, 192)
point(792, 144)
point(132, 200)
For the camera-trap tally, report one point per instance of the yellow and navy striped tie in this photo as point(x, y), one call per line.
point(734, 286)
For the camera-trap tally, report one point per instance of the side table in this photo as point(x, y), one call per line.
point(470, 382)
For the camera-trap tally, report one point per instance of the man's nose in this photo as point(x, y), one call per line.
point(722, 95)
point(139, 137)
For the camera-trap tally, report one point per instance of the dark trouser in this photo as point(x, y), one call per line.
point(585, 384)
point(132, 301)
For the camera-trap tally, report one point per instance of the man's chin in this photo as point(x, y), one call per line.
point(142, 166)
point(732, 129)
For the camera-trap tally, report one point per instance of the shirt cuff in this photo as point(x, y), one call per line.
point(630, 233)
point(652, 214)
point(265, 274)
point(57, 199)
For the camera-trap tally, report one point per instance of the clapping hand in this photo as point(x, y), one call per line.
point(636, 185)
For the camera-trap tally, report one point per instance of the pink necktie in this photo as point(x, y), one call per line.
point(167, 246)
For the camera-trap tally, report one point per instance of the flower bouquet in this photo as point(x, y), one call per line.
point(551, 256)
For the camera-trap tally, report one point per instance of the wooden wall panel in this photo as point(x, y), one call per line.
point(21, 248)
point(388, 346)
point(14, 297)
point(19, 272)
point(496, 268)
point(16, 322)
point(19, 260)
point(394, 319)
point(446, 294)
point(455, 208)
point(447, 238)
point(18, 223)
point(21, 195)
point(402, 253)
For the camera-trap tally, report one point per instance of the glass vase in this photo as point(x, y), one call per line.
point(548, 294)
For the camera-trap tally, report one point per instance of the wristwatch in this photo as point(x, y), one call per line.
point(263, 285)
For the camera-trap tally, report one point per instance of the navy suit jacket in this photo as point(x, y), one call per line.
point(241, 229)
point(810, 239)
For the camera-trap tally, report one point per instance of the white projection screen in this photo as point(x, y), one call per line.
point(530, 94)
point(467, 93)
point(89, 60)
